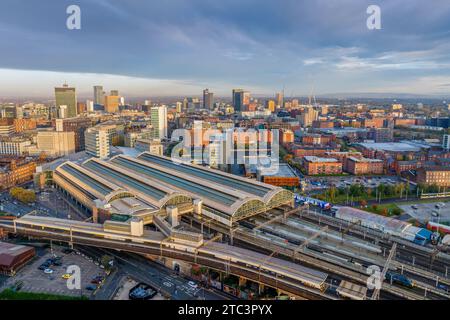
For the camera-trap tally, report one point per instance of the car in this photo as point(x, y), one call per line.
point(48, 271)
point(98, 280)
point(415, 207)
point(43, 267)
point(192, 284)
point(57, 263)
point(66, 276)
point(434, 213)
point(91, 287)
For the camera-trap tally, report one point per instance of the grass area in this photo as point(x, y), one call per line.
point(9, 294)
point(391, 207)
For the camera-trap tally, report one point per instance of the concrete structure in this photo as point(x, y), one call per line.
point(56, 144)
point(97, 142)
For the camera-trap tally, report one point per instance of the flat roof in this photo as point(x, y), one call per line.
point(393, 146)
point(281, 170)
point(318, 159)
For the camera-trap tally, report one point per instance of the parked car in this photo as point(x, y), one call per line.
point(66, 276)
point(192, 284)
point(91, 287)
point(48, 271)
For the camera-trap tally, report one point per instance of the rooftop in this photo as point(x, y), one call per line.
point(318, 159)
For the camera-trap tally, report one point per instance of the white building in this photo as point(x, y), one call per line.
point(55, 143)
point(159, 121)
point(446, 142)
point(16, 147)
point(97, 142)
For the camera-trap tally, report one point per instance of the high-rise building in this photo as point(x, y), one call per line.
point(89, 106)
point(241, 99)
point(208, 99)
point(179, 107)
point(270, 104)
point(279, 98)
point(159, 121)
point(446, 142)
point(307, 117)
point(97, 142)
point(112, 103)
point(98, 95)
point(114, 92)
point(66, 96)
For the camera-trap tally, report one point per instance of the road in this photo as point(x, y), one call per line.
point(144, 270)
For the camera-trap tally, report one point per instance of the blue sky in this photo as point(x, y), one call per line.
point(174, 47)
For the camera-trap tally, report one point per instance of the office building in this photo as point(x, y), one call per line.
point(112, 103)
point(308, 116)
point(208, 99)
point(6, 126)
point(159, 121)
point(98, 95)
point(97, 142)
point(270, 104)
point(446, 142)
point(76, 125)
point(56, 144)
point(241, 99)
point(15, 146)
point(279, 98)
point(66, 96)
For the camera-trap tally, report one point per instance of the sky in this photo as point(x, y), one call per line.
point(178, 47)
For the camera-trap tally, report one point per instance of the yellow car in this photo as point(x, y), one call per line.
point(66, 276)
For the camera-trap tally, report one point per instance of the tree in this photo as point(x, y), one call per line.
point(363, 203)
point(385, 212)
point(396, 211)
point(332, 194)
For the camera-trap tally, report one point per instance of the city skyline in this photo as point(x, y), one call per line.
point(180, 48)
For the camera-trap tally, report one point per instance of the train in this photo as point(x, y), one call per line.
point(441, 228)
point(399, 279)
point(316, 202)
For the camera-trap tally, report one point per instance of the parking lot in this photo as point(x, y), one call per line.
point(34, 280)
point(423, 213)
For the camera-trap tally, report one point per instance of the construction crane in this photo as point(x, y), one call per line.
point(376, 292)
